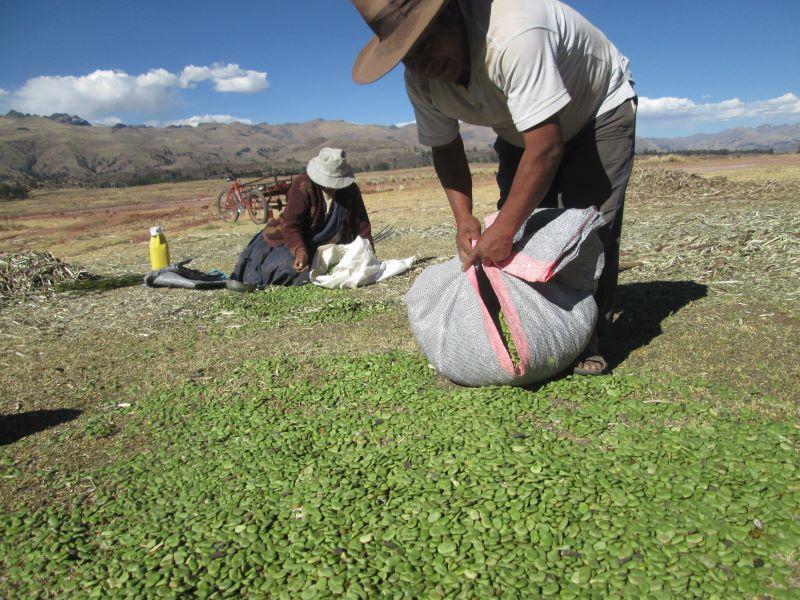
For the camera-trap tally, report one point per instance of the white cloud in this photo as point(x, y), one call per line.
point(102, 93)
point(226, 78)
point(107, 121)
point(197, 119)
point(97, 94)
point(404, 123)
point(787, 105)
point(3, 92)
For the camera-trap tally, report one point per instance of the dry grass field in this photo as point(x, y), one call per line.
point(108, 390)
point(756, 168)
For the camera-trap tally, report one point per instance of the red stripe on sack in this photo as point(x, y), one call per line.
point(526, 268)
point(514, 322)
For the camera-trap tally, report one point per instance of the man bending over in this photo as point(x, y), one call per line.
point(558, 94)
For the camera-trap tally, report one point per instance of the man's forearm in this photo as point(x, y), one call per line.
point(535, 173)
point(452, 169)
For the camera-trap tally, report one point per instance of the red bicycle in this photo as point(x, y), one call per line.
point(258, 197)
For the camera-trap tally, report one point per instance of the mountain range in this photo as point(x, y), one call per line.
point(66, 150)
point(780, 139)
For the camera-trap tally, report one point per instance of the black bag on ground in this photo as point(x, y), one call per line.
point(180, 276)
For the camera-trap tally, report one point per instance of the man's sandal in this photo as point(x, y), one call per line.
point(590, 357)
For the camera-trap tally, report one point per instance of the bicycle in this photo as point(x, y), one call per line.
point(258, 197)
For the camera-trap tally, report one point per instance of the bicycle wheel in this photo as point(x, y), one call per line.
point(257, 207)
point(227, 206)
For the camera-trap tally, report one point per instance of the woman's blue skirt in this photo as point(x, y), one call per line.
point(261, 265)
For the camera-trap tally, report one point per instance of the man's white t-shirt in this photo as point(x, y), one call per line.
point(530, 59)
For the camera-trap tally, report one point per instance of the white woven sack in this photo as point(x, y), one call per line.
point(544, 290)
point(353, 265)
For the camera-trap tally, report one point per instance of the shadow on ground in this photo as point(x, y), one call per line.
point(15, 427)
point(100, 284)
point(642, 307)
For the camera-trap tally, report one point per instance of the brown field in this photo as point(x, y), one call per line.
point(756, 167)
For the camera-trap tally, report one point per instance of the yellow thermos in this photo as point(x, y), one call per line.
point(159, 250)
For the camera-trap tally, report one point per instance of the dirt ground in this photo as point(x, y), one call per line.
point(74, 217)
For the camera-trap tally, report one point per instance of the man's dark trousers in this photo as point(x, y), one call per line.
point(594, 171)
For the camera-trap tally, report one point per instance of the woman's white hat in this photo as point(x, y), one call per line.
point(330, 169)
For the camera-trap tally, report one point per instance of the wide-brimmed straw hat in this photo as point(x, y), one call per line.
point(397, 24)
point(330, 169)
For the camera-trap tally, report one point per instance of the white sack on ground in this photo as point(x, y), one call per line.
point(353, 265)
point(543, 292)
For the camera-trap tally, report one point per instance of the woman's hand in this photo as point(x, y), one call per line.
point(467, 231)
point(301, 260)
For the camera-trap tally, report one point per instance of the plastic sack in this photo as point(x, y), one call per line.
point(353, 265)
point(542, 291)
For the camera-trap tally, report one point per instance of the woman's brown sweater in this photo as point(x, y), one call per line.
point(305, 212)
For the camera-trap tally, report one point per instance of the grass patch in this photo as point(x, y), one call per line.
point(370, 477)
point(99, 426)
point(304, 305)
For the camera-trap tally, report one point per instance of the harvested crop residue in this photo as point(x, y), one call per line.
point(27, 272)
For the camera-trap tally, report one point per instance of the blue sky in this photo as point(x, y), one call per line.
point(699, 66)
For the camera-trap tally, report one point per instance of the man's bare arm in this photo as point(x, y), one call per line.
point(544, 148)
point(450, 163)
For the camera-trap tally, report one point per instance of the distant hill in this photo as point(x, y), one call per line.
point(65, 149)
point(58, 117)
point(776, 138)
point(62, 150)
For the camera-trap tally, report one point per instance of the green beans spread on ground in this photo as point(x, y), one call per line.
point(368, 476)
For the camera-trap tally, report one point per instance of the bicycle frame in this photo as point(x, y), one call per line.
point(241, 199)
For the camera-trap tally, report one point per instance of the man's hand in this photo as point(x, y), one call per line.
point(467, 231)
point(493, 246)
point(301, 260)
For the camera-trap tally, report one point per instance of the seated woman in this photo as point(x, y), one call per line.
point(322, 207)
